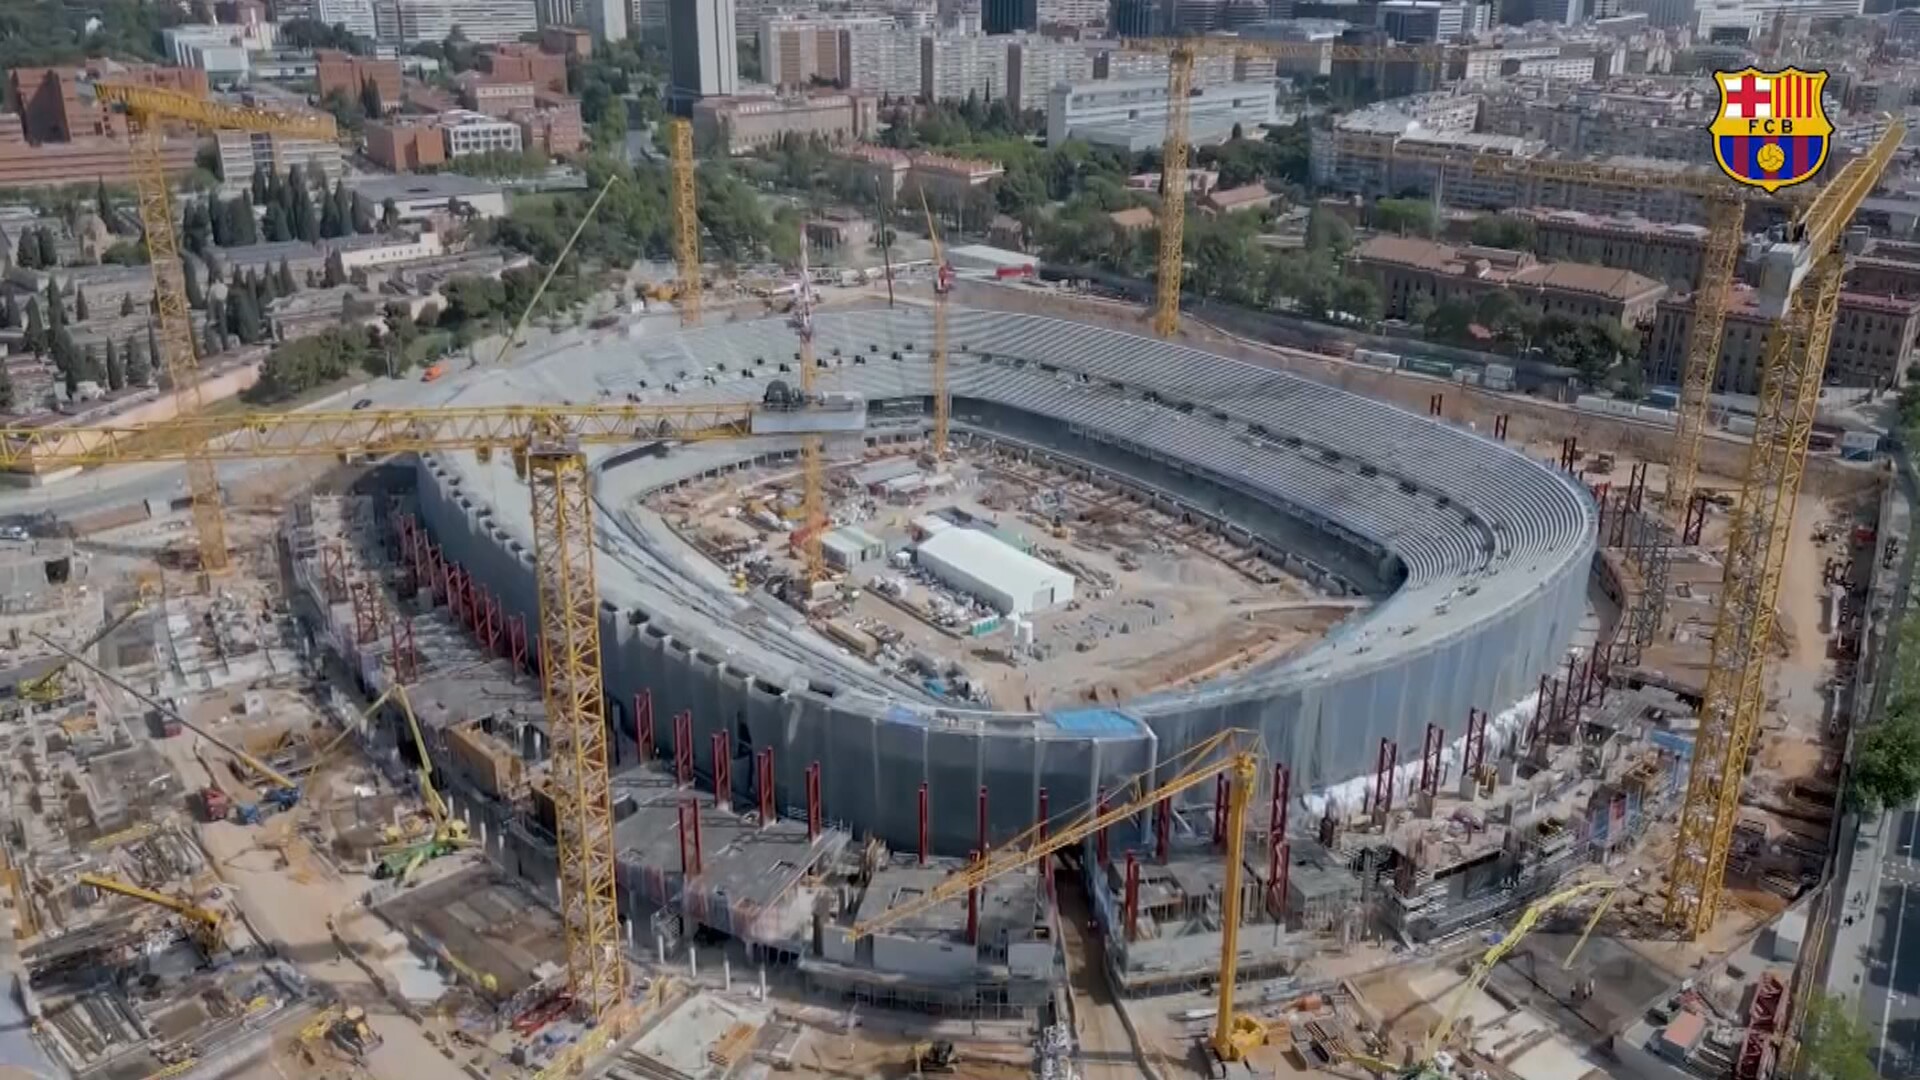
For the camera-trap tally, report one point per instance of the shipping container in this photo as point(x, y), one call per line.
point(1421, 365)
point(1376, 358)
point(1497, 377)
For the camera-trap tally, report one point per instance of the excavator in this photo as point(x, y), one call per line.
point(206, 927)
point(399, 861)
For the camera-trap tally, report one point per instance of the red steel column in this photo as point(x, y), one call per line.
point(1383, 775)
point(764, 786)
point(973, 906)
point(1131, 908)
point(1220, 809)
point(689, 814)
point(1277, 840)
point(643, 722)
point(1162, 829)
point(683, 747)
point(722, 772)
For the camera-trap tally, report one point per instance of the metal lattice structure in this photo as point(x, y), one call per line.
point(173, 323)
point(942, 285)
point(1173, 193)
point(812, 454)
point(686, 223)
point(576, 714)
point(1794, 363)
point(1725, 217)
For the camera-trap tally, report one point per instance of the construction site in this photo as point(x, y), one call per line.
point(1014, 696)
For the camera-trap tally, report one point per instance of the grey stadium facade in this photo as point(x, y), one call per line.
point(1476, 555)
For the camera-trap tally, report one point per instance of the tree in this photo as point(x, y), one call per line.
point(1449, 321)
point(1834, 1041)
point(126, 305)
point(80, 311)
point(102, 205)
point(243, 316)
point(139, 368)
point(1590, 348)
point(212, 342)
point(155, 360)
point(300, 210)
point(331, 223)
point(1359, 298)
point(35, 337)
point(1328, 232)
point(1503, 231)
point(370, 102)
point(242, 230)
point(196, 296)
point(56, 307)
point(1886, 770)
point(116, 371)
point(1408, 217)
point(27, 254)
point(275, 225)
point(389, 215)
point(335, 273)
point(49, 255)
point(10, 314)
point(283, 280)
point(360, 214)
point(6, 390)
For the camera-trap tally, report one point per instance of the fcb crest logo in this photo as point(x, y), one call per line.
point(1771, 130)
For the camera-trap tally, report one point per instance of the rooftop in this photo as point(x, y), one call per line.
point(1510, 268)
point(376, 189)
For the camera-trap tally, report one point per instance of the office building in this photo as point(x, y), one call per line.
point(648, 19)
point(565, 41)
point(468, 133)
point(1409, 272)
point(953, 67)
point(243, 152)
point(1750, 20)
point(1070, 14)
point(606, 20)
point(405, 147)
point(1132, 114)
point(701, 48)
point(1885, 268)
point(80, 160)
point(1036, 65)
point(741, 125)
point(552, 126)
point(483, 22)
point(1427, 22)
point(1873, 341)
point(1009, 16)
point(344, 73)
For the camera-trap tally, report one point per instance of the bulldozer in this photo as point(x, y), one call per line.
point(934, 1058)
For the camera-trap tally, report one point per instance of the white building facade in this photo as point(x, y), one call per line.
point(1133, 113)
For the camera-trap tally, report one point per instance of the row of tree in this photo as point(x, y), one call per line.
point(291, 212)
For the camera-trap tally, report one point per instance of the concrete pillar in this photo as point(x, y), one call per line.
point(1469, 787)
point(1423, 805)
point(629, 933)
point(726, 973)
point(483, 836)
point(693, 960)
point(660, 949)
point(763, 982)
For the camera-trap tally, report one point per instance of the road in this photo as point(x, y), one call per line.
point(1888, 907)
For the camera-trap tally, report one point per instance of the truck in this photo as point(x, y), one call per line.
point(434, 371)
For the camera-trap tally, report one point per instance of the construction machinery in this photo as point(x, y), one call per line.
point(1232, 754)
point(148, 110)
point(1800, 283)
point(934, 1058)
point(282, 791)
point(449, 833)
point(942, 285)
point(546, 444)
point(206, 927)
point(47, 687)
point(686, 222)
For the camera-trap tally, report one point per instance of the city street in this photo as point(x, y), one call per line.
point(1889, 908)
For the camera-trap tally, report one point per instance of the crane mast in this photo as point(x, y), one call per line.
point(1172, 259)
point(1793, 365)
point(686, 223)
point(147, 108)
point(1233, 753)
point(942, 285)
point(813, 499)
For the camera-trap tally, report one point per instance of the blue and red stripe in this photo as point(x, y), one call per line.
point(1742, 155)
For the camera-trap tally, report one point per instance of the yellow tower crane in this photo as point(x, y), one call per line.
point(547, 444)
point(1181, 53)
point(207, 927)
point(813, 468)
point(148, 110)
point(1801, 286)
point(1234, 753)
point(942, 285)
point(686, 222)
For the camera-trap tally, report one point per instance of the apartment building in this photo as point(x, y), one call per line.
point(345, 73)
point(1408, 270)
point(357, 16)
point(565, 41)
point(1132, 114)
point(881, 61)
point(1885, 268)
point(521, 63)
point(552, 126)
point(1036, 65)
point(51, 164)
point(953, 67)
point(741, 125)
point(468, 133)
point(797, 49)
point(1663, 251)
point(405, 147)
point(483, 22)
point(1873, 341)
